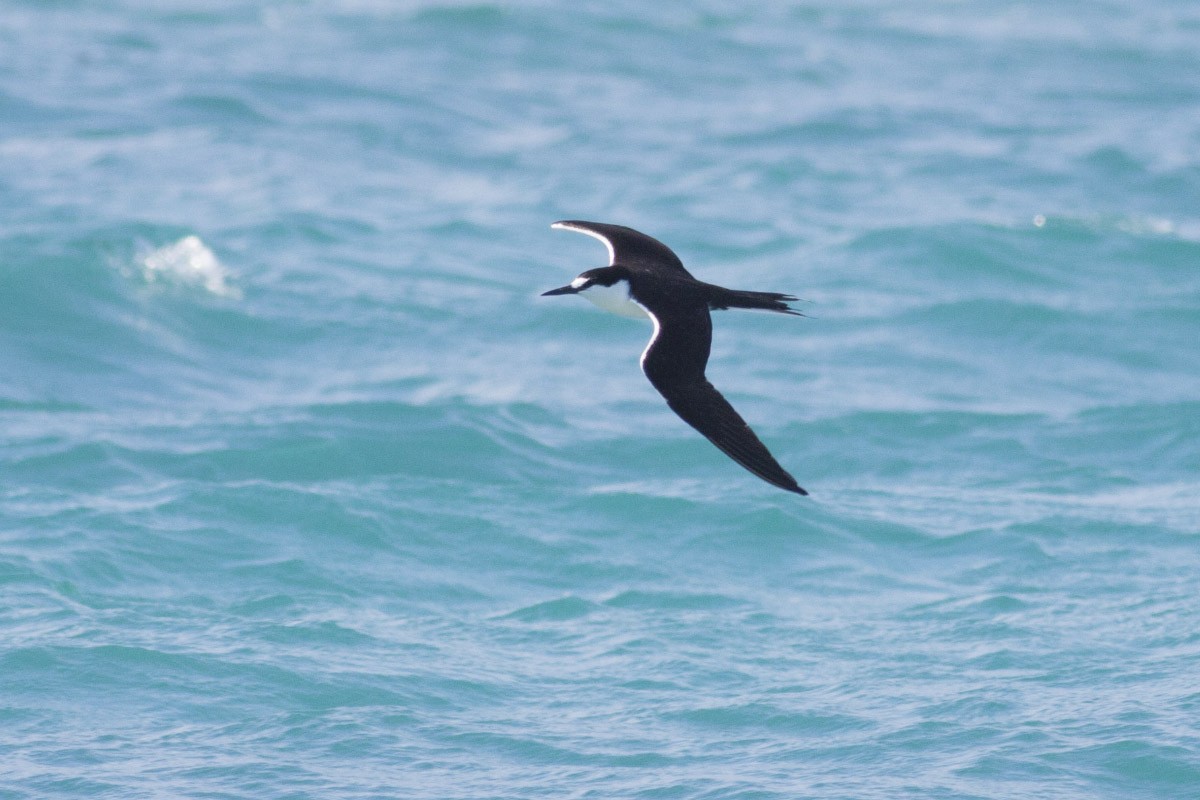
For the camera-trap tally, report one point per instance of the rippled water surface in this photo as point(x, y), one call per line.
point(305, 492)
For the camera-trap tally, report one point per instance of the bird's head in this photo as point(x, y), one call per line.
point(607, 287)
point(602, 276)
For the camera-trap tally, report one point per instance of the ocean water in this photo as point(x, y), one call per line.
point(306, 493)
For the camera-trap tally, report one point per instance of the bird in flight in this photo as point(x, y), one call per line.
point(644, 278)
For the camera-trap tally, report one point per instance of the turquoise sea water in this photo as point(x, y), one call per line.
point(305, 493)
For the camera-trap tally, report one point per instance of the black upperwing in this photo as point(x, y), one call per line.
point(627, 246)
point(674, 361)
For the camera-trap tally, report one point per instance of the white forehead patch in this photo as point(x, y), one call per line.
point(612, 257)
point(580, 281)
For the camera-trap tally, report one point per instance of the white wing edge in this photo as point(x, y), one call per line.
point(612, 256)
point(653, 337)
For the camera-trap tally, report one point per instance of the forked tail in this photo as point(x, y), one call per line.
point(724, 298)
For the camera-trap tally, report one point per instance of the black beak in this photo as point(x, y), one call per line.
point(561, 290)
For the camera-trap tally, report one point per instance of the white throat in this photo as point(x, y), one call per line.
point(616, 299)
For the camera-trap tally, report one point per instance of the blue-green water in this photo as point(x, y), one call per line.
point(305, 493)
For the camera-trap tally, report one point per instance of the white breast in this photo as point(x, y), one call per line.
point(616, 299)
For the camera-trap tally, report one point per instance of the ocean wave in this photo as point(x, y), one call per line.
point(188, 262)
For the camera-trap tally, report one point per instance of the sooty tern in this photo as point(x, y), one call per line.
point(644, 278)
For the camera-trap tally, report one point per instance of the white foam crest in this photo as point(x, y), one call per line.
point(188, 261)
point(1169, 505)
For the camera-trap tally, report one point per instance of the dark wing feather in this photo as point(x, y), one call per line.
point(674, 361)
point(627, 246)
point(702, 406)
